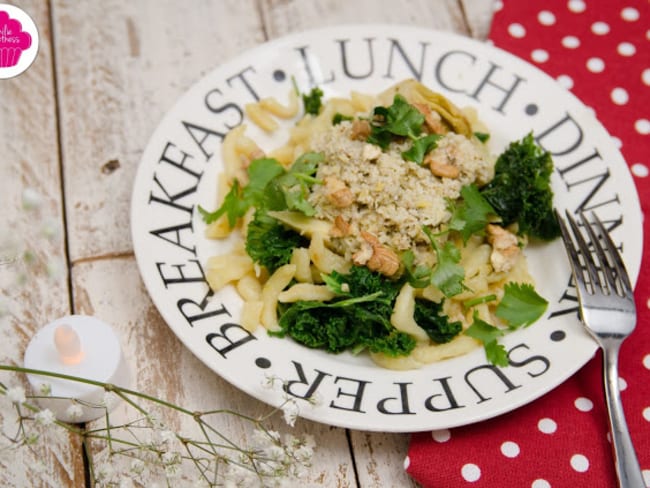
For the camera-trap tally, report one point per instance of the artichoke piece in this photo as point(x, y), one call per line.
point(416, 92)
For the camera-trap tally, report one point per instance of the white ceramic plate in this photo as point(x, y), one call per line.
point(179, 170)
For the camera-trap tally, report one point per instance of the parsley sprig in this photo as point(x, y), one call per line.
point(401, 120)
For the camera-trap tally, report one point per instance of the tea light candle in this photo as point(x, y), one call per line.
point(81, 346)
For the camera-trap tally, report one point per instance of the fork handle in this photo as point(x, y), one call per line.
point(628, 470)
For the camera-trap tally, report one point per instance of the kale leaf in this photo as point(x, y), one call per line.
point(438, 327)
point(358, 318)
point(521, 190)
point(269, 243)
point(313, 101)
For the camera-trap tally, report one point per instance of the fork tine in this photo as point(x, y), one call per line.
point(603, 260)
point(616, 259)
point(588, 259)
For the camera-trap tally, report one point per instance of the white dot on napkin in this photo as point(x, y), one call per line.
point(626, 49)
point(646, 358)
point(642, 126)
point(516, 30)
point(540, 483)
point(470, 472)
point(619, 96)
point(547, 426)
point(595, 65)
point(641, 170)
point(565, 81)
point(510, 449)
point(570, 42)
point(630, 14)
point(646, 413)
point(579, 463)
point(583, 404)
point(407, 463)
point(546, 18)
point(539, 55)
point(645, 76)
point(600, 28)
point(577, 6)
point(442, 435)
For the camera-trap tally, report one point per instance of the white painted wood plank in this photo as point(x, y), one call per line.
point(30, 296)
point(111, 290)
point(478, 14)
point(284, 16)
point(121, 65)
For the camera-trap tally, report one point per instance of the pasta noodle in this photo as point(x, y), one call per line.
point(368, 209)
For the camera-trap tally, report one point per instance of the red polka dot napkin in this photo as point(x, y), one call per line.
point(600, 50)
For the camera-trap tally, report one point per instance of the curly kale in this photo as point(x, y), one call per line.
point(358, 318)
point(521, 190)
point(438, 327)
point(269, 243)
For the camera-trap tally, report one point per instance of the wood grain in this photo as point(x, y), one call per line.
point(33, 291)
point(102, 81)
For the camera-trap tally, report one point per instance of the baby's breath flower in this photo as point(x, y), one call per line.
point(290, 410)
point(31, 438)
point(74, 411)
point(167, 436)
point(45, 417)
point(45, 389)
point(31, 199)
point(137, 466)
point(16, 394)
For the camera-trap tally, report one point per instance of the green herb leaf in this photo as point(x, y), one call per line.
point(313, 101)
point(471, 215)
point(482, 136)
point(417, 276)
point(421, 147)
point(339, 117)
point(489, 336)
point(238, 200)
point(520, 305)
point(448, 275)
point(400, 119)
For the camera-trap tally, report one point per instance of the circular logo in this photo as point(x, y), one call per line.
point(18, 41)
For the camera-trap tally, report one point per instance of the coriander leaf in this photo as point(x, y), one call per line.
point(520, 305)
point(470, 216)
point(238, 200)
point(313, 101)
point(400, 119)
point(339, 117)
point(482, 136)
point(448, 275)
point(488, 335)
point(421, 147)
point(290, 190)
point(417, 276)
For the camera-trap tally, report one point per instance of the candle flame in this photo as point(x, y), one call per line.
point(68, 345)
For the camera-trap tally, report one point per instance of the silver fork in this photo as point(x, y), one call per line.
point(608, 312)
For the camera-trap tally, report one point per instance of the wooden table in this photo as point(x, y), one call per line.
point(73, 128)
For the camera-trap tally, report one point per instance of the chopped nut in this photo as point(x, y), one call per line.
point(431, 118)
point(338, 193)
point(371, 152)
point(360, 129)
point(443, 170)
point(505, 248)
point(341, 228)
point(382, 259)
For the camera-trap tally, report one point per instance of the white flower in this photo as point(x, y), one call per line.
point(167, 436)
point(31, 199)
point(137, 466)
point(45, 389)
point(170, 458)
point(290, 410)
point(16, 394)
point(45, 417)
point(74, 411)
